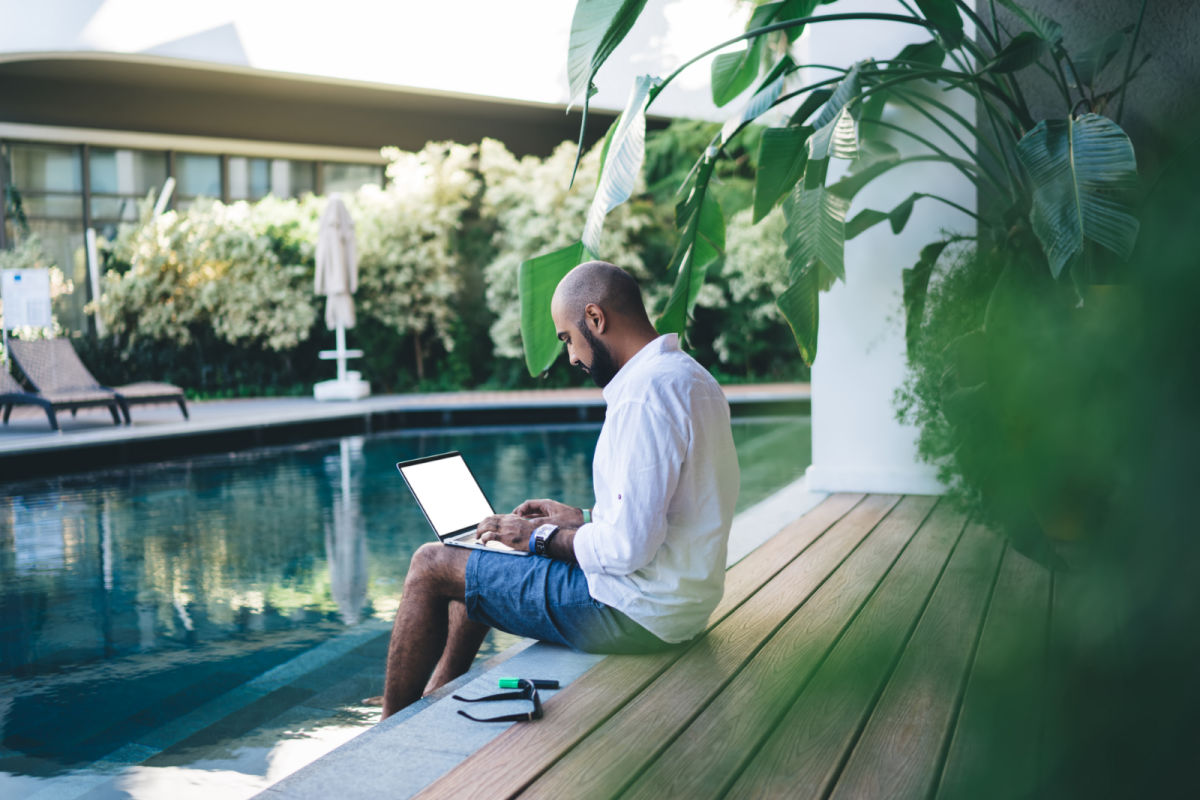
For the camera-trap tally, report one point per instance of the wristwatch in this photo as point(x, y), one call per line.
point(542, 535)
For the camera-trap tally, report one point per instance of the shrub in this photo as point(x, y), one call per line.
point(410, 270)
point(535, 211)
point(737, 325)
point(212, 267)
point(219, 298)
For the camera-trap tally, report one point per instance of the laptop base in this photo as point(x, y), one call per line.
point(467, 541)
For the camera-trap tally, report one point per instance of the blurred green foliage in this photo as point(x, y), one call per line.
point(1071, 420)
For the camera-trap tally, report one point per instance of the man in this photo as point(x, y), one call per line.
point(647, 569)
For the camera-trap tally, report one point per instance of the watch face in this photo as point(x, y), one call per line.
point(542, 535)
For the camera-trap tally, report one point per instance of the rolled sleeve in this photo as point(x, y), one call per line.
point(629, 521)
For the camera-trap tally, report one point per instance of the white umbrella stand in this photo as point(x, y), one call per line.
point(337, 278)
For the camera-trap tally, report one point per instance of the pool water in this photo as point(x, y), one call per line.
point(210, 625)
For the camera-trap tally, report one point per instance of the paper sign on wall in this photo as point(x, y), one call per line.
point(26, 295)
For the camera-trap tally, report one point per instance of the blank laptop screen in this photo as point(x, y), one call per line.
point(448, 493)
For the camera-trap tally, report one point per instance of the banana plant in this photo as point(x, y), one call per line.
point(1063, 182)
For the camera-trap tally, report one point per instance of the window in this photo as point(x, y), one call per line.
point(349, 177)
point(249, 178)
point(292, 178)
point(196, 176)
point(120, 180)
point(46, 168)
point(49, 178)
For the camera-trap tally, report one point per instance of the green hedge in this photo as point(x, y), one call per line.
point(218, 298)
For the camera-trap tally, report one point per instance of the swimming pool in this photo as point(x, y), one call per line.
point(142, 608)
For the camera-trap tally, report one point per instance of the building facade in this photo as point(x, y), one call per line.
point(102, 100)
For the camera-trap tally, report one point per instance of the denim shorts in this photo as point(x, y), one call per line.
point(547, 599)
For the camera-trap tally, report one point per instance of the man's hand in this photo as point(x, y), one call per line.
point(550, 511)
point(508, 529)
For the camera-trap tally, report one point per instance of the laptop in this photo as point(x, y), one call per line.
point(451, 500)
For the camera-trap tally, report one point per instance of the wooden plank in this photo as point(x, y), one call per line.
point(994, 752)
point(807, 747)
point(595, 768)
point(899, 754)
point(710, 752)
point(579, 708)
point(745, 578)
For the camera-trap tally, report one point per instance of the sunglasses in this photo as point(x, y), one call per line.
point(527, 690)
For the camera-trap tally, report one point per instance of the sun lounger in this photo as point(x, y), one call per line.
point(53, 367)
point(12, 394)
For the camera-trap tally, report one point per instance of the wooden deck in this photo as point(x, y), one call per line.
point(880, 646)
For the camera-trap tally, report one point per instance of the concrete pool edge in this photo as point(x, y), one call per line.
point(403, 754)
point(28, 450)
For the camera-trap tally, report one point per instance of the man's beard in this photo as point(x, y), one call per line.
point(602, 369)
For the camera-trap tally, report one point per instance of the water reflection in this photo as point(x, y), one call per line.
point(131, 597)
point(346, 538)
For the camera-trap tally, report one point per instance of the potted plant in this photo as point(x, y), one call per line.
point(1055, 217)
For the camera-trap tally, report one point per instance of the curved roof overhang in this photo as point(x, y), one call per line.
point(155, 94)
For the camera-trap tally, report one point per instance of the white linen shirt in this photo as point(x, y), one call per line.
point(666, 480)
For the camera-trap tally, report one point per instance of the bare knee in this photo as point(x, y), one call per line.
point(437, 568)
point(423, 566)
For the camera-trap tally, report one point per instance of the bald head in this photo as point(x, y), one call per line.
point(599, 315)
point(608, 286)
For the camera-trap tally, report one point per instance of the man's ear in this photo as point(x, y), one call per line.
point(594, 317)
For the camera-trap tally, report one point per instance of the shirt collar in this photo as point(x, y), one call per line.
point(618, 385)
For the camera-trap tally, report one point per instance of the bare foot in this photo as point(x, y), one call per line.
point(376, 701)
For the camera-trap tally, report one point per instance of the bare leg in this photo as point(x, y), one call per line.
point(462, 646)
point(436, 576)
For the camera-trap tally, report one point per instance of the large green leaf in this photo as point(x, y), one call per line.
point(623, 156)
point(911, 57)
point(537, 279)
point(870, 217)
point(782, 154)
point(1082, 171)
point(916, 288)
point(800, 305)
point(608, 137)
point(1047, 29)
point(929, 54)
point(732, 73)
point(1025, 49)
point(836, 133)
point(846, 90)
point(701, 241)
point(597, 27)
point(759, 102)
point(837, 139)
point(944, 16)
point(816, 99)
point(863, 221)
point(816, 230)
point(782, 11)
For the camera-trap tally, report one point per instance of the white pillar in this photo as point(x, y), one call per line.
point(858, 444)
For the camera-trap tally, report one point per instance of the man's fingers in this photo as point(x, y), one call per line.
point(531, 508)
point(491, 523)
